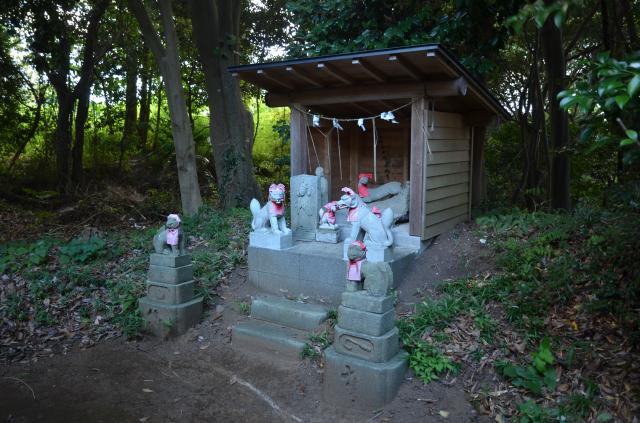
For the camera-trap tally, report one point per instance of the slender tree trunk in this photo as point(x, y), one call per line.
point(145, 100)
point(78, 146)
point(131, 105)
point(230, 125)
point(169, 63)
point(62, 137)
point(40, 97)
point(156, 132)
point(556, 74)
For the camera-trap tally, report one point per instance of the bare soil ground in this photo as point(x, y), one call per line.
point(200, 376)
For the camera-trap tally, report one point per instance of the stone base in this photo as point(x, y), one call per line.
point(364, 322)
point(170, 320)
point(361, 300)
point(331, 236)
point(266, 239)
point(175, 275)
point(377, 253)
point(304, 234)
point(377, 349)
point(353, 382)
point(170, 293)
point(168, 260)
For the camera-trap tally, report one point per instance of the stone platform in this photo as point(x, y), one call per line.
point(312, 269)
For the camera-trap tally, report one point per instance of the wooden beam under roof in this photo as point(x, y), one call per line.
point(375, 92)
point(303, 76)
point(406, 65)
point(268, 77)
point(362, 108)
point(335, 72)
point(371, 70)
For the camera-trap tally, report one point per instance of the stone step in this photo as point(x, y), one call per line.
point(259, 336)
point(288, 313)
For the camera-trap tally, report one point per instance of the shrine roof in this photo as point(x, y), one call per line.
point(373, 81)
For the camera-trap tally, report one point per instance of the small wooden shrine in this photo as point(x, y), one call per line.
point(433, 138)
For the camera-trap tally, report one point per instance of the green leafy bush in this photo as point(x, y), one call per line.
point(81, 251)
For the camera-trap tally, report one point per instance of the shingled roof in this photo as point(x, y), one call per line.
point(354, 84)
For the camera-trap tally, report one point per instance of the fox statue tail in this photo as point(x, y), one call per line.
point(254, 206)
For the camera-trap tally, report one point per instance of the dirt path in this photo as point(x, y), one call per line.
point(201, 377)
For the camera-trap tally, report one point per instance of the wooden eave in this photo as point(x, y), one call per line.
point(373, 81)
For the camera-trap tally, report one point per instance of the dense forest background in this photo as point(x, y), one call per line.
point(84, 101)
point(114, 113)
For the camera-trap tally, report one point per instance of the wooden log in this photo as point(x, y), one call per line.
point(298, 144)
point(417, 169)
point(446, 88)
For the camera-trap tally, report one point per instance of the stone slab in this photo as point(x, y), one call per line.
point(169, 293)
point(170, 319)
point(266, 239)
point(377, 349)
point(360, 300)
point(365, 322)
point(304, 234)
point(313, 269)
point(168, 260)
point(356, 383)
point(330, 236)
point(305, 202)
point(378, 254)
point(174, 275)
point(288, 313)
point(257, 336)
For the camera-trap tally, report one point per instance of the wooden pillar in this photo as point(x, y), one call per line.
point(417, 170)
point(299, 148)
point(478, 180)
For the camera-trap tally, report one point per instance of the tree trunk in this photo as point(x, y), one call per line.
point(156, 132)
point(169, 63)
point(78, 146)
point(131, 104)
point(62, 137)
point(40, 97)
point(230, 124)
point(559, 132)
point(145, 101)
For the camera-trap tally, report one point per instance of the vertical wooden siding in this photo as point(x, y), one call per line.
point(447, 174)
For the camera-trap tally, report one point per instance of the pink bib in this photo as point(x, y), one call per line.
point(352, 216)
point(363, 191)
point(276, 209)
point(353, 272)
point(172, 236)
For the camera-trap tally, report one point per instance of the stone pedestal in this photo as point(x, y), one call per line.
point(170, 308)
point(267, 239)
point(331, 236)
point(306, 200)
point(365, 366)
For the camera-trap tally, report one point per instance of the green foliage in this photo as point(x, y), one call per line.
point(14, 257)
point(80, 250)
point(607, 105)
point(530, 412)
point(536, 376)
point(428, 362)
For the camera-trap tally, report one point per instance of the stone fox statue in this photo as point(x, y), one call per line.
point(376, 230)
point(170, 239)
point(271, 216)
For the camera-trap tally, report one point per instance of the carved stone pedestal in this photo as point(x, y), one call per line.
point(365, 366)
point(267, 239)
point(170, 308)
point(331, 236)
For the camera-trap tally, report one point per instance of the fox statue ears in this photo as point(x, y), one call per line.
point(275, 188)
point(175, 217)
point(348, 191)
point(365, 175)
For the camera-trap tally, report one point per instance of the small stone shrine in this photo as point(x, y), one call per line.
point(306, 199)
point(365, 365)
point(170, 307)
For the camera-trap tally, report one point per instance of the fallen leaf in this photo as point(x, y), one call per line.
point(143, 419)
point(443, 413)
point(147, 390)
